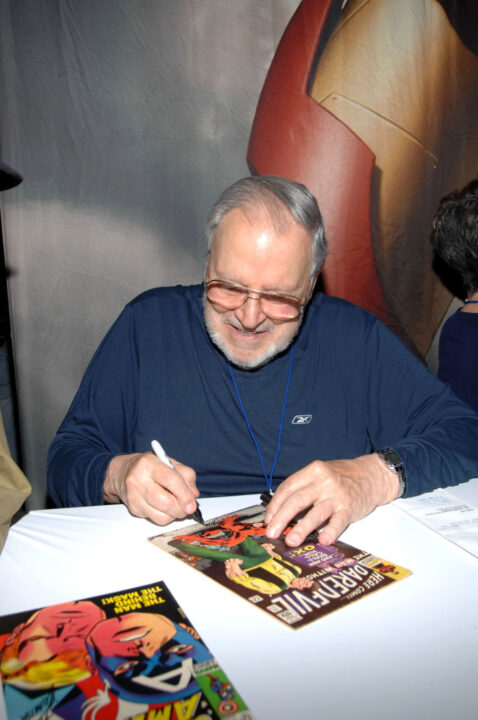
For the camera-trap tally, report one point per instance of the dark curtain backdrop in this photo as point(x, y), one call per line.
point(126, 119)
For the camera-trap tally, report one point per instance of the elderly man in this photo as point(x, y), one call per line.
point(250, 383)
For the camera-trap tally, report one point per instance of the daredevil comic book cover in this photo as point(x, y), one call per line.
point(294, 584)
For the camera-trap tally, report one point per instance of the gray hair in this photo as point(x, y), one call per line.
point(277, 195)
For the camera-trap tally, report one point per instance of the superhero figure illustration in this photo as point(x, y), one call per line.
point(254, 566)
point(70, 661)
point(231, 530)
point(43, 661)
point(372, 106)
point(223, 689)
point(145, 657)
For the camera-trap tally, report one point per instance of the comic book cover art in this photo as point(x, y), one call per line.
point(295, 585)
point(132, 654)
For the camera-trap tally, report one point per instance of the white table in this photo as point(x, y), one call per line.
point(407, 651)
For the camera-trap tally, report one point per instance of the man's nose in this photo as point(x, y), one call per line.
point(250, 314)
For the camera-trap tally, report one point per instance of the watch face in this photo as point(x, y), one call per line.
point(394, 461)
point(392, 457)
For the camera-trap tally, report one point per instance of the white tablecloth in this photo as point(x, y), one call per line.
point(407, 651)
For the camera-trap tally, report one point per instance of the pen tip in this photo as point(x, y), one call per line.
point(197, 515)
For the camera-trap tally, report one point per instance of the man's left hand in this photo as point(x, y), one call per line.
point(330, 495)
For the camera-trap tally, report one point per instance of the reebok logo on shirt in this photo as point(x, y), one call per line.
point(301, 419)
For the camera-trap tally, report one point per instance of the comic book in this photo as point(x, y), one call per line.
point(296, 585)
point(131, 654)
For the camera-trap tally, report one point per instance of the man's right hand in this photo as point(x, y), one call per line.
point(149, 488)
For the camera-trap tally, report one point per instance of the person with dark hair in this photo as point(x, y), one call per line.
point(252, 383)
point(455, 241)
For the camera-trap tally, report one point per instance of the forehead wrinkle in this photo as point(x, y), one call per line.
point(273, 215)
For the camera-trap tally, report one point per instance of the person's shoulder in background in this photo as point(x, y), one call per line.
point(458, 355)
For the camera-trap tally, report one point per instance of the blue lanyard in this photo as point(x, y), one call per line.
point(279, 442)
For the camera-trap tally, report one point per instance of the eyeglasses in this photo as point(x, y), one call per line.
point(230, 296)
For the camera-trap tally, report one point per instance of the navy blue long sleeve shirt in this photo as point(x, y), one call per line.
point(354, 389)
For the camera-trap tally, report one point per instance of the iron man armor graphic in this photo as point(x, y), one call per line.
point(373, 105)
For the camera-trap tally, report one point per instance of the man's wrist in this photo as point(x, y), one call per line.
point(110, 494)
point(394, 462)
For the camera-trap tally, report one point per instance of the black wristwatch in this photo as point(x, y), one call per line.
point(394, 462)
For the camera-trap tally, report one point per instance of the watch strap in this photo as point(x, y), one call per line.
point(393, 460)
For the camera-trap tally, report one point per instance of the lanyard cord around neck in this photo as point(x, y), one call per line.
point(279, 442)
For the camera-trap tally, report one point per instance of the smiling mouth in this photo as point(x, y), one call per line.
point(247, 333)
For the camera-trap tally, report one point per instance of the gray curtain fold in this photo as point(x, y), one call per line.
point(126, 119)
